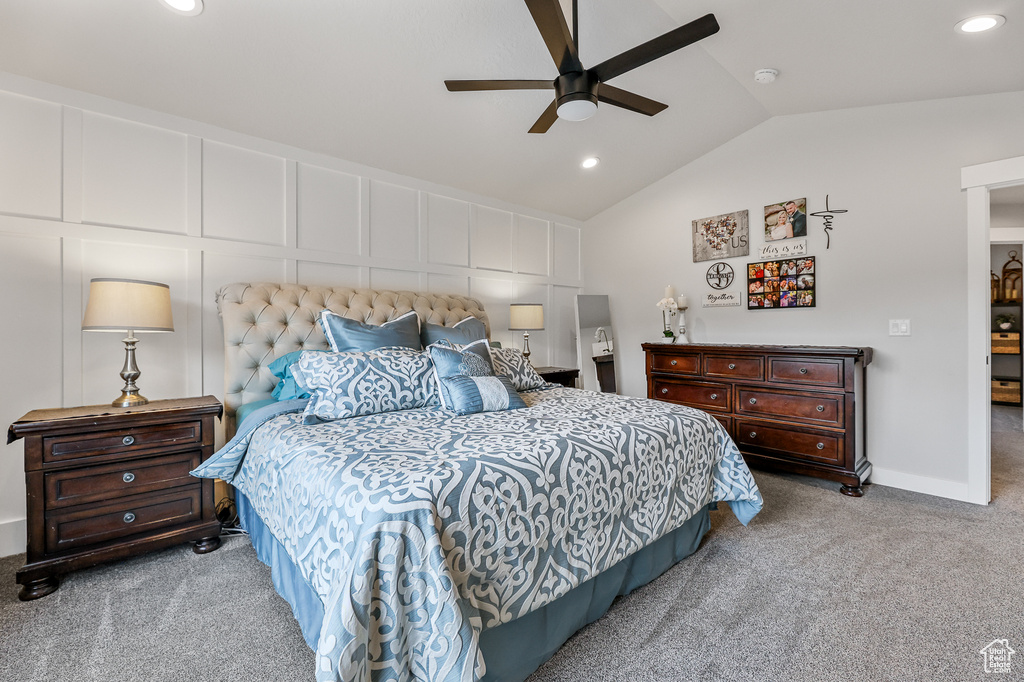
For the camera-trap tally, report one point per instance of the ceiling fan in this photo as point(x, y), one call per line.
point(578, 90)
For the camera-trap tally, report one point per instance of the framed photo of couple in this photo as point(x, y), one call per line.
point(785, 220)
point(786, 283)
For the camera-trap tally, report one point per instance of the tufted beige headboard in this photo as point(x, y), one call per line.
point(263, 321)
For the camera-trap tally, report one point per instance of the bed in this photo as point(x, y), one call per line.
point(422, 544)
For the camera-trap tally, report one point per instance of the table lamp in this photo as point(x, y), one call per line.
point(128, 305)
point(526, 317)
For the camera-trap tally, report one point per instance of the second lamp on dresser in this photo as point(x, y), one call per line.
point(791, 408)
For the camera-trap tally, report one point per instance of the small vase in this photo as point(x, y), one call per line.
point(1005, 325)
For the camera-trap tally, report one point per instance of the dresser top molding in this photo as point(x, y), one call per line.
point(865, 353)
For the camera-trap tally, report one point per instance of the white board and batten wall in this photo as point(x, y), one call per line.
point(95, 188)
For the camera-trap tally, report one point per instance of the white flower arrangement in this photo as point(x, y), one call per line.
point(668, 305)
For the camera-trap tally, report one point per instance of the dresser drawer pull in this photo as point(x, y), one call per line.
point(664, 391)
point(753, 401)
point(128, 440)
point(714, 396)
point(821, 408)
point(128, 477)
point(821, 446)
point(753, 434)
point(129, 517)
point(803, 370)
point(732, 365)
point(674, 363)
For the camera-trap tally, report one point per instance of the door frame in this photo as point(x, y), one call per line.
point(978, 180)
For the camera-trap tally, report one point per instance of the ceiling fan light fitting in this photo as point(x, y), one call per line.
point(577, 107)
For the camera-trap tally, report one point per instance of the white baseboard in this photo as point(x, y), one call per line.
point(939, 487)
point(12, 536)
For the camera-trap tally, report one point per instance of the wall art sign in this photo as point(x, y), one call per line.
point(785, 220)
point(786, 248)
point(720, 276)
point(721, 299)
point(721, 236)
point(827, 216)
point(786, 283)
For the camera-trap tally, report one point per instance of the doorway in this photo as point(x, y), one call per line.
point(979, 182)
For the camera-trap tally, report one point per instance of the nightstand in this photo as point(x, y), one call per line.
point(559, 375)
point(106, 483)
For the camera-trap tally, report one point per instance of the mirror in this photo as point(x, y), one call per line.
point(595, 339)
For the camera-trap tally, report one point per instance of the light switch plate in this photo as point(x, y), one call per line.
point(899, 327)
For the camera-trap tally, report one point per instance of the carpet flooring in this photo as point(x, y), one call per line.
point(892, 586)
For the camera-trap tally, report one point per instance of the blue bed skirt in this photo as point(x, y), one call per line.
point(513, 650)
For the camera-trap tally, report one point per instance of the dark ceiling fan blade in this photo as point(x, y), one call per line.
point(547, 14)
point(658, 47)
point(629, 100)
point(546, 119)
point(468, 86)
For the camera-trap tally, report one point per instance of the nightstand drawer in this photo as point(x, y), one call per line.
point(704, 396)
point(823, 409)
point(145, 514)
point(81, 445)
point(110, 481)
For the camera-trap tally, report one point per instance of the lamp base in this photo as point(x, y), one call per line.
point(132, 399)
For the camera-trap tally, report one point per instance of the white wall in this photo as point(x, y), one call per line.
point(91, 187)
point(898, 253)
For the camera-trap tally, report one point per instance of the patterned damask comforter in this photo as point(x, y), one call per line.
point(419, 528)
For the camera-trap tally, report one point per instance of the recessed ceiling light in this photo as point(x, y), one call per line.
point(590, 162)
point(189, 8)
point(982, 22)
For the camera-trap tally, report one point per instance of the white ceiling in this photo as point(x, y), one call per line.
point(362, 80)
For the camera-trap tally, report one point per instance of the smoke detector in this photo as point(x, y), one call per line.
point(765, 76)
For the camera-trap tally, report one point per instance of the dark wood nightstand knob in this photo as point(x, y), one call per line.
point(129, 517)
point(128, 440)
point(128, 477)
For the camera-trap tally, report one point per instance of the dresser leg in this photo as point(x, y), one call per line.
point(34, 589)
point(852, 490)
point(206, 545)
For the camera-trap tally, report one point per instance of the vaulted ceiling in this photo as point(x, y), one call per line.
point(363, 80)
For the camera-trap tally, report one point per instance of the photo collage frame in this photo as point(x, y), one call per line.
point(788, 283)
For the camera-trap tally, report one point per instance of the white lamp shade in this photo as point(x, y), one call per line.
point(526, 317)
point(117, 305)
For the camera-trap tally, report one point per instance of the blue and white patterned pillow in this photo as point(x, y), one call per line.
point(472, 394)
point(346, 335)
point(469, 360)
point(464, 331)
point(512, 363)
point(345, 385)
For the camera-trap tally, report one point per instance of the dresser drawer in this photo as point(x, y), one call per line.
point(811, 372)
point(724, 420)
point(131, 515)
point(824, 409)
point(676, 363)
point(110, 481)
point(733, 367)
point(789, 442)
point(82, 445)
point(699, 394)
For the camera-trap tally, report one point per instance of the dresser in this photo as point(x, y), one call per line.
point(105, 483)
point(789, 408)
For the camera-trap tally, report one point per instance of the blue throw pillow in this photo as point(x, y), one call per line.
point(345, 335)
point(286, 388)
point(470, 360)
point(356, 383)
point(472, 394)
point(463, 332)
